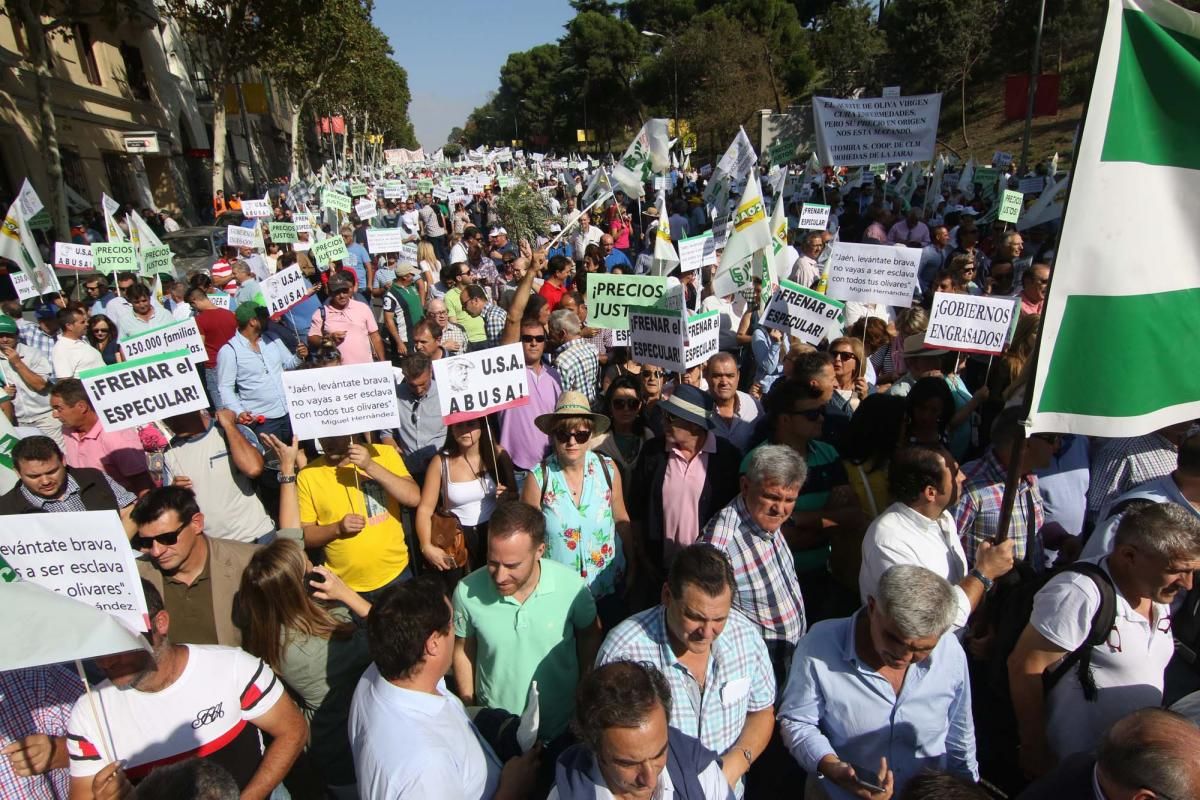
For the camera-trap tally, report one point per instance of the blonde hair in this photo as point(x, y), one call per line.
point(426, 254)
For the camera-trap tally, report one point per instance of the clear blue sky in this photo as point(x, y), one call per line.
point(453, 51)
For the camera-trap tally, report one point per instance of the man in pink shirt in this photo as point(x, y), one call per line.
point(348, 322)
point(118, 454)
point(910, 230)
point(1033, 288)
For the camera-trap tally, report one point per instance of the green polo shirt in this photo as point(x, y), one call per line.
point(517, 643)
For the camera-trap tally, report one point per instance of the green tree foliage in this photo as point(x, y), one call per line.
point(660, 16)
point(847, 44)
point(605, 54)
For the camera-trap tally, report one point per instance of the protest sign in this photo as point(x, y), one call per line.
point(365, 209)
point(609, 297)
point(112, 257)
point(1001, 159)
point(476, 384)
point(1010, 206)
point(813, 217)
point(801, 312)
point(237, 236)
point(868, 130)
point(282, 232)
point(256, 209)
point(656, 337)
point(873, 273)
point(144, 390)
point(330, 249)
point(73, 256)
point(1031, 185)
point(84, 555)
point(408, 252)
point(338, 401)
point(424, 185)
point(220, 300)
point(336, 201)
point(283, 290)
point(703, 338)
point(970, 324)
point(25, 287)
point(385, 240)
point(395, 190)
point(157, 260)
point(358, 189)
point(891, 91)
point(697, 251)
point(166, 339)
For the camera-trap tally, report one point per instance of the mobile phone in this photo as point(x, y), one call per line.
point(867, 778)
point(316, 577)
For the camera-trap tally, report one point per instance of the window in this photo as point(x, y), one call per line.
point(135, 70)
point(72, 168)
point(118, 168)
point(86, 52)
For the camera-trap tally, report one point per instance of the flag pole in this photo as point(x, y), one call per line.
point(96, 717)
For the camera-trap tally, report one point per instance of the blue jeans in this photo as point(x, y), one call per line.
point(403, 577)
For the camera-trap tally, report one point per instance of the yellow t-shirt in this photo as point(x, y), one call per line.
point(377, 554)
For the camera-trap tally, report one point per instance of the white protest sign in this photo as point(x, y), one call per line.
point(1031, 185)
point(720, 231)
point(970, 324)
point(870, 130)
point(873, 273)
point(365, 209)
point(26, 290)
point(330, 249)
point(891, 91)
point(813, 217)
point(220, 300)
point(144, 390)
point(166, 339)
point(1010, 206)
point(385, 240)
point(656, 337)
point(83, 555)
point(395, 190)
point(336, 201)
point(703, 338)
point(476, 384)
point(283, 290)
point(1001, 159)
point(339, 401)
point(237, 236)
point(73, 256)
point(697, 251)
point(801, 312)
point(256, 209)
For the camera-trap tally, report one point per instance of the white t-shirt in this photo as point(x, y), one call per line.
point(231, 508)
point(73, 356)
point(1128, 669)
point(207, 712)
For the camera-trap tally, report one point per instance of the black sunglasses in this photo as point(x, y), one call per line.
point(336, 292)
point(580, 437)
point(529, 338)
point(626, 404)
point(812, 414)
point(840, 355)
point(167, 539)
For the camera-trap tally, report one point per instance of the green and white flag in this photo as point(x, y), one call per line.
point(648, 154)
point(1118, 354)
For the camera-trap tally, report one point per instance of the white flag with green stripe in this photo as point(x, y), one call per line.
point(1120, 351)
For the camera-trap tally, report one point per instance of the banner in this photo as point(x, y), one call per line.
point(813, 217)
point(158, 260)
point(970, 324)
point(282, 232)
point(144, 390)
point(113, 257)
point(703, 338)
point(166, 339)
point(24, 286)
point(82, 555)
point(476, 384)
point(73, 256)
point(696, 252)
point(220, 300)
point(870, 130)
point(801, 312)
point(873, 273)
point(283, 290)
point(256, 209)
point(365, 209)
point(610, 297)
point(329, 249)
point(237, 236)
point(656, 337)
point(385, 240)
point(338, 401)
point(336, 201)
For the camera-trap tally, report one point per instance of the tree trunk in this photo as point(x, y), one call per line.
point(295, 174)
point(218, 134)
point(48, 141)
point(963, 85)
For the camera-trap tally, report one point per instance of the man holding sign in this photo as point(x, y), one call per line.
point(249, 370)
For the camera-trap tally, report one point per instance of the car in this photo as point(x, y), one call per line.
point(195, 249)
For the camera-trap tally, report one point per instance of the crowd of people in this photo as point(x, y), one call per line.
point(778, 573)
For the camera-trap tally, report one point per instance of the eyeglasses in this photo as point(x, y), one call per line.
point(842, 355)
point(167, 539)
point(529, 338)
point(651, 373)
point(100, 330)
point(626, 404)
point(565, 437)
point(812, 414)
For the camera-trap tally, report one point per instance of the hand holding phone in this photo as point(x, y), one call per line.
point(861, 781)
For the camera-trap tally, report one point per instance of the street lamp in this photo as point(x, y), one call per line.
point(675, 69)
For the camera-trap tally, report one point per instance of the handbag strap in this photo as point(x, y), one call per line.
point(445, 479)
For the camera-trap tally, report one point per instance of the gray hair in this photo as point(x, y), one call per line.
point(565, 321)
point(241, 267)
point(194, 779)
point(920, 602)
point(775, 464)
point(1166, 529)
point(1151, 748)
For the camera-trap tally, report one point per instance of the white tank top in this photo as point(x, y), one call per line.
point(472, 501)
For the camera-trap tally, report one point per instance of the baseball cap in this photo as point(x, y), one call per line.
point(498, 232)
point(246, 311)
point(555, 227)
point(405, 268)
point(339, 280)
point(48, 311)
point(8, 324)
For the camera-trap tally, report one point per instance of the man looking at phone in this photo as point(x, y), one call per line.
point(843, 715)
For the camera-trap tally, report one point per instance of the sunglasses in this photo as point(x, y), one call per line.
point(648, 373)
point(626, 404)
point(842, 355)
point(565, 437)
point(167, 539)
point(337, 292)
point(529, 338)
point(812, 414)
point(100, 330)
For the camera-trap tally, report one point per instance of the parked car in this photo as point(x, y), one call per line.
point(195, 248)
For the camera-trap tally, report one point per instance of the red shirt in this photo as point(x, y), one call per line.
point(217, 326)
point(552, 293)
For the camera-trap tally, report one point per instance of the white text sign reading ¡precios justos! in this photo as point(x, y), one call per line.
point(970, 324)
point(476, 384)
point(609, 297)
point(339, 401)
point(283, 290)
point(166, 339)
point(801, 312)
point(873, 273)
point(144, 390)
point(870, 130)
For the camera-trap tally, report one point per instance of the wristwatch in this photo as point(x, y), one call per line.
point(979, 576)
point(287, 478)
point(749, 756)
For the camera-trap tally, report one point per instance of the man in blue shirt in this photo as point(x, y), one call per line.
point(250, 375)
point(883, 684)
point(359, 260)
point(612, 256)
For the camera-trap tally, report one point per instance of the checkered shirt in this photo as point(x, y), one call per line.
point(487, 276)
point(35, 700)
point(978, 512)
point(494, 319)
point(768, 593)
point(455, 333)
point(72, 502)
point(29, 333)
point(1122, 464)
point(579, 367)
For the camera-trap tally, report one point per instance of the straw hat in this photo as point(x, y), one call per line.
point(571, 404)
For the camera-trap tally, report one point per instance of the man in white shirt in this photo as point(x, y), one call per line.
point(918, 529)
point(410, 632)
point(1156, 550)
point(73, 353)
point(807, 271)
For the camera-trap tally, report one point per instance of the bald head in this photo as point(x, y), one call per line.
point(1151, 749)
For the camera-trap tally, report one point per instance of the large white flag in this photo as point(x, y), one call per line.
point(1048, 207)
point(749, 233)
point(665, 256)
point(112, 229)
point(648, 153)
point(18, 245)
point(733, 167)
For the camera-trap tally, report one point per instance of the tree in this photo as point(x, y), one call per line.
point(610, 53)
point(661, 16)
point(230, 35)
point(784, 43)
point(846, 45)
point(528, 95)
